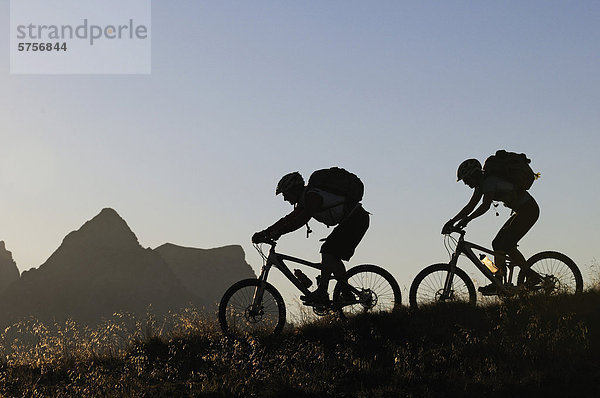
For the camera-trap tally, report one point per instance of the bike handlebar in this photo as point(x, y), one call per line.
point(457, 230)
point(271, 242)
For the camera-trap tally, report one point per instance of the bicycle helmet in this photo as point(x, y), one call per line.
point(289, 181)
point(467, 168)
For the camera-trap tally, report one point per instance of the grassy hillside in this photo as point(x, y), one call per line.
point(535, 347)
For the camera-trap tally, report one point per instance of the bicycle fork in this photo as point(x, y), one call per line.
point(447, 292)
point(257, 308)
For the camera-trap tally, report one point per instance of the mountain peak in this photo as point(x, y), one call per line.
point(101, 269)
point(108, 212)
point(107, 229)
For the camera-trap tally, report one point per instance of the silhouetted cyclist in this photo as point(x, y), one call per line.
point(328, 208)
point(525, 212)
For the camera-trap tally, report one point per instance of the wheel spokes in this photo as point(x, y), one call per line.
point(242, 316)
point(557, 277)
point(431, 289)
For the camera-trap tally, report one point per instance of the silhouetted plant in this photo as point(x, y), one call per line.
point(517, 347)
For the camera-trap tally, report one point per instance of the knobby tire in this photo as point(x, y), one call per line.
point(376, 283)
point(234, 317)
point(428, 285)
point(560, 268)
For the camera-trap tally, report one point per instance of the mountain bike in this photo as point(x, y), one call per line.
point(554, 273)
point(255, 307)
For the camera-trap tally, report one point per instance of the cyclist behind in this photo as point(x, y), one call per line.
point(310, 202)
point(525, 212)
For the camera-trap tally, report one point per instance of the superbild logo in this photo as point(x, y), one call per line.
point(80, 36)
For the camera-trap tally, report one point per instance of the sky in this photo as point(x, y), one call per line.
point(241, 93)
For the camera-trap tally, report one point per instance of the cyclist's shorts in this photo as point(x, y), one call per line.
point(516, 226)
point(344, 239)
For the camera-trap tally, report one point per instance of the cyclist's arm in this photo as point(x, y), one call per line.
point(298, 217)
point(475, 198)
point(483, 208)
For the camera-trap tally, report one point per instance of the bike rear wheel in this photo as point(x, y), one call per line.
point(378, 291)
point(239, 317)
point(428, 287)
point(559, 274)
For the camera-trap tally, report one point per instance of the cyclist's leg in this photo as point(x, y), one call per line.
point(505, 242)
point(341, 244)
point(331, 264)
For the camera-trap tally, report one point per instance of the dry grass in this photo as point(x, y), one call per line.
point(516, 348)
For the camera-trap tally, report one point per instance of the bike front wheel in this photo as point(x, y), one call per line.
point(428, 287)
point(241, 315)
point(559, 274)
point(375, 290)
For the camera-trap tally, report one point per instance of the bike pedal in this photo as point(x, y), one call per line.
point(314, 299)
point(321, 310)
point(316, 303)
point(489, 290)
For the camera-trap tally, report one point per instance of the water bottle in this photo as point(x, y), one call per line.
point(304, 280)
point(488, 263)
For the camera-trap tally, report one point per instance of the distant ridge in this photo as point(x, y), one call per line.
point(9, 272)
point(101, 269)
point(207, 272)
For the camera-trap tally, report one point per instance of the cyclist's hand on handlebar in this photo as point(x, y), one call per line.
point(463, 223)
point(263, 237)
point(259, 237)
point(448, 227)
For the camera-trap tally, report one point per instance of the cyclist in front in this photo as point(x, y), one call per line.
point(351, 220)
point(525, 212)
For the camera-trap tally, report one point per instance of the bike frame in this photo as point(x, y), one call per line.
point(278, 260)
point(466, 248)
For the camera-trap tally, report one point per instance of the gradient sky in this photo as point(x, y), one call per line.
point(399, 92)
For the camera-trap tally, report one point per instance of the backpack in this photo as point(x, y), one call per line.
point(512, 167)
point(338, 181)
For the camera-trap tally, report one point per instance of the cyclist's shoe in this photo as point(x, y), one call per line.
point(347, 296)
point(315, 299)
point(489, 290)
point(534, 280)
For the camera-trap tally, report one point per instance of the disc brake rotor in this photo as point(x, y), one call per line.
point(252, 315)
point(368, 299)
